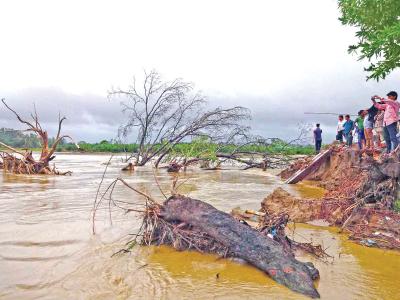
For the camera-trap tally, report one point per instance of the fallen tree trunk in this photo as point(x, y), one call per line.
point(314, 165)
point(187, 223)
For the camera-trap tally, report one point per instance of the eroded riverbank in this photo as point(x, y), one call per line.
point(47, 249)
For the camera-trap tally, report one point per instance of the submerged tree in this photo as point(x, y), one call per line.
point(168, 113)
point(241, 149)
point(26, 164)
point(378, 34)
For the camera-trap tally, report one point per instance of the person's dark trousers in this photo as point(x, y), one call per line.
point(390, 137)
point(349, 139)
point(318, 146)
point(339, 136)
point(387, 139)
point(361, 138)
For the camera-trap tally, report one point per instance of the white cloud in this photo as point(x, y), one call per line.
point(279, 58)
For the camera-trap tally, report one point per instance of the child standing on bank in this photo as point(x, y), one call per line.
point(360, 129)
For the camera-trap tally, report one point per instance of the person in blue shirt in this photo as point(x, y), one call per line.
point(318, 138)
point(348, 127)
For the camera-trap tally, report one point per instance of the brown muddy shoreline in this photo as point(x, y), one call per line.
point(360, 193)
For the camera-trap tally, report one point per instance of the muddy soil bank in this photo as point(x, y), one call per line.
point(360, 194)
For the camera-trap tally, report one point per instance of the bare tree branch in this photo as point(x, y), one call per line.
point(27, 164)
point(169, 113)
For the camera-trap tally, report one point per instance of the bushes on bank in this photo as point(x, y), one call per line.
point(277, 147)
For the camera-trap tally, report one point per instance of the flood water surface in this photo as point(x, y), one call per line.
point(48, 251)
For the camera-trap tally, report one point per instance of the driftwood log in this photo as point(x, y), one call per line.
point(186, 223)
point(317, 161)
point(129, 167)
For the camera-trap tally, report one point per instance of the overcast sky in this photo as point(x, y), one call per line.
point(278, 58)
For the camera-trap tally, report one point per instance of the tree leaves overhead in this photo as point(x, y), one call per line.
point(378, 24)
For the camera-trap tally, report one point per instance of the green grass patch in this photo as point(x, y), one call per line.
point(397, 206)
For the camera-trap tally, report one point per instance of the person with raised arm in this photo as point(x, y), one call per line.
point(390, 118)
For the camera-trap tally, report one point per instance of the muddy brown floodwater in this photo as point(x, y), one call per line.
point(47, 250)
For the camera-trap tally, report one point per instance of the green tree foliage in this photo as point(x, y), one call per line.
point(19, 139)
point(378, 24)
point(200, 147)
point(397, 205)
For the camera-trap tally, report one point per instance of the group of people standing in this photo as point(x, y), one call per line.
point(373, 125)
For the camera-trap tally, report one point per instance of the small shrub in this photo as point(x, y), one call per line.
point(397, 205)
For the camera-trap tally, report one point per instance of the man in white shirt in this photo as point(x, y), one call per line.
point(340, 128)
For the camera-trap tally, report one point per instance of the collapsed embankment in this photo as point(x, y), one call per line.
point(360, 194)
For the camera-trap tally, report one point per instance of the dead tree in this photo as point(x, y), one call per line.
point(26, 163)
point(264, 160)
point(207, 153)
point(166, 113)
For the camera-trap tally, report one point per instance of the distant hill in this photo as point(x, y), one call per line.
point(18, 138)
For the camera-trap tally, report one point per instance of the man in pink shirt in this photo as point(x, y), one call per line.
point(390, 118)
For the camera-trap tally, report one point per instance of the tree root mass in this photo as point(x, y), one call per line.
point(189, 224)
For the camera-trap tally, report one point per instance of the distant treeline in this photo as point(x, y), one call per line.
point(20, 139)
point(277, 147)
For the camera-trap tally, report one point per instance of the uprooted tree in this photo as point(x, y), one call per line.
point(243, 149)
point(18, 162)
point(168, 113)
point(189, 224)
